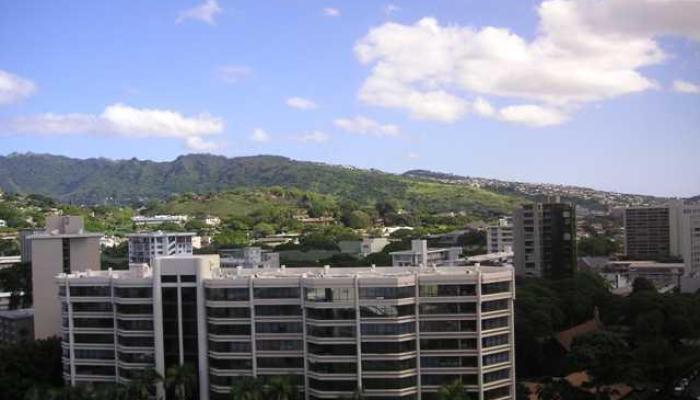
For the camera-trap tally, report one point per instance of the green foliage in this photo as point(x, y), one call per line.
point(453, 391)
point(180, 380)
point(9, 247)
point(27, 365)
point(357, 219)
point(229, 238)
point(641, 284)
point(17, 279)
point(597, 246)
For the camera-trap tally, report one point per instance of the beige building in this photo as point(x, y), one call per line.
point(63, 248)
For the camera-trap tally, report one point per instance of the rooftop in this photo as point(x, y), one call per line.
point(160, 234)
point(17, 314)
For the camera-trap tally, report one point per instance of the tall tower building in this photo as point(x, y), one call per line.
point(499, 238)
point(63, 248)
point(391, 332)
point(544, 240)
point(144, 247)
point(664, 233)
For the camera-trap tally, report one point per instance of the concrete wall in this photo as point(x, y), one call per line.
point(46, 264)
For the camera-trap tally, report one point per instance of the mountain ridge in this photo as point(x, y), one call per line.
point(96, 180)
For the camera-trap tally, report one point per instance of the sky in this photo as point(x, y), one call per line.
point(597, 93)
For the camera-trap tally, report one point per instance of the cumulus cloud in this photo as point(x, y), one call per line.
point(123, 120)
point(233, 73)
point(259, 135)
point(685, 87)
point(205, 12)
point(366, 126)
point(390, 9)
point(331, 12)
point(532, 115)
point(301, 103)
point(314, 137)
point(584, 51)
point(14, 88)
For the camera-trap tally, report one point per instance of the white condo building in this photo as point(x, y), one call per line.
point(421, 254)
point(393, 333)
point(499, 237)
point(146, 246)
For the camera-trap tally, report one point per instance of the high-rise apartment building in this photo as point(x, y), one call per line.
point(421, 254)
point(665, 232)
point(144, 247)
point(499, 237)
point(63, 248)
point(396, 333)
point(544, 240)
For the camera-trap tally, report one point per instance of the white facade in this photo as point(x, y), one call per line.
point(499, 238)
point(249, 257)
point(3, 224)
point(363, 247)
point(397, 333)
point(146, 246)
point(420, 254)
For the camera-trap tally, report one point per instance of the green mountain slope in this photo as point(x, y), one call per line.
point(93, 181)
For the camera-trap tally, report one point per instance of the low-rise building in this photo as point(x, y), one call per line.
point(390, 333)
point(420, 254)
point(621, 274)
point(159, 219)
point(146, 246)
point(3, 223)
point(249, 257)
point(16, 326)
point(364, 247)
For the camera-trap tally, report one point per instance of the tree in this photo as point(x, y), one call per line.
point(642, 284)
point(357, 219)
point(280, 388)
point(229, 238)
point(247, 388)
point(180, 380)
point(142, 387)
point(453, 391)
point(30, 364)
point(606, 358)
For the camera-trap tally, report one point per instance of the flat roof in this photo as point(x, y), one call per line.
point(159, 234)
point(46, 235)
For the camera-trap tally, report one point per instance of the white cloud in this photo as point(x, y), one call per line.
point(532, 115)
point(259, 135)
point(14, 88)
point(686, 87)
point(314, 137)
point(366, 126)
point(122, 120)
point(301, 103)
point(482, 107)
point(233, 73)
point(205, 12)
point(331, 12)
point(584, 51)
point(390, 9)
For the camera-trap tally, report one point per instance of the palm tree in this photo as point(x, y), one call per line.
point(180, 380)
point(453, 391)
point(142, 387)
point(247, 388)
point(280, 388)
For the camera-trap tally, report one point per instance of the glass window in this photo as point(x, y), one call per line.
point(447, 290)
point(495, 305)
point(136, 341)
point(228, 312)
point(381, 293)
point(388, 329)
point(278, 310)
point(280, 362)
point(103, 323)
point(135, 325)
point(133, 292)
point(136, 358)
point(332, 385)
point(95, 338)
point(90, 291)
point(494, 323)
point(277, 293)
point(278, 327)
point(331, 331)
point(448, 362)
point(329, 294)
point(497, 340)
point(393, 383)
point(497, 393)
point(92, 307)
point(95, 370)
point(499, 375)
point(388, 347)
point(132, 309)
point(227, 294)
point(447, 344)
point(82, 354)
point(496, 358)
point(231, 364)
point(448, 308)
point(330, 313)
point(229, 347)
point(496, 287)
point(279, 345)
point(389, 365)
point(386, 311)
point(216, 329)
point(333, 367)
point(332, 349)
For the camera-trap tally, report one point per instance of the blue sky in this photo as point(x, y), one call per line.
point(560, 91)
